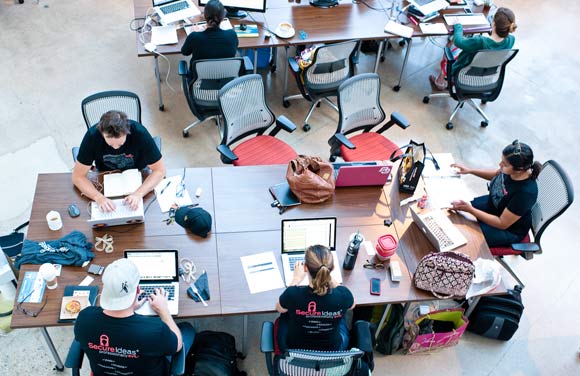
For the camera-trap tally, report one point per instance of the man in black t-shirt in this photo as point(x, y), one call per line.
point(116, 340)
point(116, 143)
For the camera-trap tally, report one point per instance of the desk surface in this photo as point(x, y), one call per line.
point(244, 224)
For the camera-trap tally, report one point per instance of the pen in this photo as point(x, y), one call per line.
point(163, 190)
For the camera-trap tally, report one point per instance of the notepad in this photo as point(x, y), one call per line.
point(433, 28)
point(164, 35)
point(122, 183)
point(251, 31)
point(393, 27)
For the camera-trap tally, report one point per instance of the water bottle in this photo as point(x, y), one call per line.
point(352, 252)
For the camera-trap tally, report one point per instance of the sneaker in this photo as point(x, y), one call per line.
point(435, 85)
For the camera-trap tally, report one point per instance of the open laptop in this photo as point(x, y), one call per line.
point(158, 268)
point(429, 6)
point(122, 215)
point(358, 174)
point(439, 230)
point(174, 10)
point(299, 234)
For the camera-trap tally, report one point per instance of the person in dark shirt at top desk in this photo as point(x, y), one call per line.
point(505, 215)
point(213, 42)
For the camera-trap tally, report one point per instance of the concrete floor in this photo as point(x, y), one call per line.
point(54, 53)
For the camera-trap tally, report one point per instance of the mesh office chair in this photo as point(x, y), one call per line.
point(555, 195)
point(481, 79)
point(202, 83)
point(331, 65)
point(94, 106)
point(359, 108)
point(243, 105)
point(357, 361)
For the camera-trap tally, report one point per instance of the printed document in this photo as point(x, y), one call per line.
point(262, 272)
point(172, 191)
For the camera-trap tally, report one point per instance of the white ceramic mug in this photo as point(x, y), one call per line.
point(54, 220)
point(48, 273)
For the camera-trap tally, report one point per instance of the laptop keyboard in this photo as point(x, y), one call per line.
point(293, 260)
point(171, 8)
point(437, 231)
point(121, 211)
point(147, 290)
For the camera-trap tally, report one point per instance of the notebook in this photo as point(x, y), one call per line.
point(75, 299)
point(282, 193)
point(122, 183)
point(359, 174)
point(251, 31)
point(299, 234)
point(158, 269)
point(174, 10)
point(439, 230)
point(122, 215)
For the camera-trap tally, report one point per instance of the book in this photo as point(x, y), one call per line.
point(74, 300)
point(251, 31)
point(282, 193)
point(122, 183)
point(31, 288)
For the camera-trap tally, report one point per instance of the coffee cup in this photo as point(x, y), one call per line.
point(54, 220)
point(285, 27)
point(48, 273)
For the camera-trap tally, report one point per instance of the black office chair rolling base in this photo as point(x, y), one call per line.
point(484, 123)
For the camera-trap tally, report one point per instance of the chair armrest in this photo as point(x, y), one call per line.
point(75, 153)
point(178, 363)
point(362, 336)
point(282, 122)
point(267, 339)
point(448, 54)
point(526, 247)
point(74, 358)
point(344, 141)
point(293, 64)
point(396, 118)
point(227, 152)
point(182, 68)
point(248, 65)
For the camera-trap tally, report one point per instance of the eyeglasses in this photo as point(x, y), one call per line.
point(374, 265)
point(27, 312)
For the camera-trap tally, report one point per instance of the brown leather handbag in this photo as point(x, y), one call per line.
point(311, 179)
point(445, 274)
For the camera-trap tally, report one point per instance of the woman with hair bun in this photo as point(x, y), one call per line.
point(505, 215)
point(313, 316)
point(504, 23)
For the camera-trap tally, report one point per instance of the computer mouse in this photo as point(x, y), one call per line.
point(243, 26)
point(73, 210)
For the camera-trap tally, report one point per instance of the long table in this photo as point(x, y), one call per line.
point(244, 223)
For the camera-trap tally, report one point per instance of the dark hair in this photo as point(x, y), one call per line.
point(521, 157)
point(214, 13)
point(320, 263)
point(505, 22)
point(114, 124)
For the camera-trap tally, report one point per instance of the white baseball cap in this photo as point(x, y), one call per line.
point(120, 282)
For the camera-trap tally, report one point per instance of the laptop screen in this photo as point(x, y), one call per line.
point(154, 265)
point(157, 3)
point(299, 234)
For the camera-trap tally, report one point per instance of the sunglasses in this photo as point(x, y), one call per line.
point(28, 312)
point(374, 265)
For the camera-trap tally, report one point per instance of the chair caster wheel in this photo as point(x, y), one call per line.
point(449, 125)
point(397, 88)
point(402, 43)
point(483, 102)
point(332, 158)
point(272, 69)
point(286, 104)
point(318, 105)
point(425, 99)
point(389, 45)
point(382, 59)
point(306, 127)
point(484, 124)
point(185, 134)
point(161, 107)
point(56, 368)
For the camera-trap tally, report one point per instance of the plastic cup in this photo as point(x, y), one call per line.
point(48, 273)
point(54, 220)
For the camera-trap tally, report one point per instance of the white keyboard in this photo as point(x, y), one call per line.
point(443, 239)
point(122, 210)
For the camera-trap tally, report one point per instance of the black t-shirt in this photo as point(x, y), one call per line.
point(135, 345)
point(313, 320)
point(518, 196)
point(138, 151)
point(212, 43)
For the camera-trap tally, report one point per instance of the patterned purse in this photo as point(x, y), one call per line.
point(445, 274)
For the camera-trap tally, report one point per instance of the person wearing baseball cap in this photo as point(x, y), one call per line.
point(116, 339)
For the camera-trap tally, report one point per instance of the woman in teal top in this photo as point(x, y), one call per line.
point(501, 28)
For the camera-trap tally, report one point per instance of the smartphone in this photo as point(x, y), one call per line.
point(468, 10)
point(375, 286)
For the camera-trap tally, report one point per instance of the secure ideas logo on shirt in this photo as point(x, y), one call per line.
point(104, 348)
point(312, 312)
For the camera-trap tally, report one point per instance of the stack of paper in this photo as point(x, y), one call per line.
point(164, 35)
point(172, 191)
point(262, 273)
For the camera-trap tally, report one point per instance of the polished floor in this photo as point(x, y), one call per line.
point(54, 53)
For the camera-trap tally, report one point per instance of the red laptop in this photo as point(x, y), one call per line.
point(357, 174)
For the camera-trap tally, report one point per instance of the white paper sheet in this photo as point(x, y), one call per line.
point(169, 195)
point(444, 160)
point(433, 28)
point(442, 191)
point(262, 272)
point(164, 35)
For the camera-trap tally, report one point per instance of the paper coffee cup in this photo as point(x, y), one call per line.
point(48, 273)
point(54, 220)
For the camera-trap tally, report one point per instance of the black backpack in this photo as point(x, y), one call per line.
point(213, 354)
point(497, 317)
point(391, 334)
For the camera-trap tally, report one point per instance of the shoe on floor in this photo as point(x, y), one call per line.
point(435, 85)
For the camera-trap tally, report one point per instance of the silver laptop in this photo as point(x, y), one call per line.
point(158, 269)
point(174, 10)
point(122, 215)
point(443, 234)
point(299, 234)
point(429, 6)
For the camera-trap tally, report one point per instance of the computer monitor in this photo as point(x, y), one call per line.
point(236, 8)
